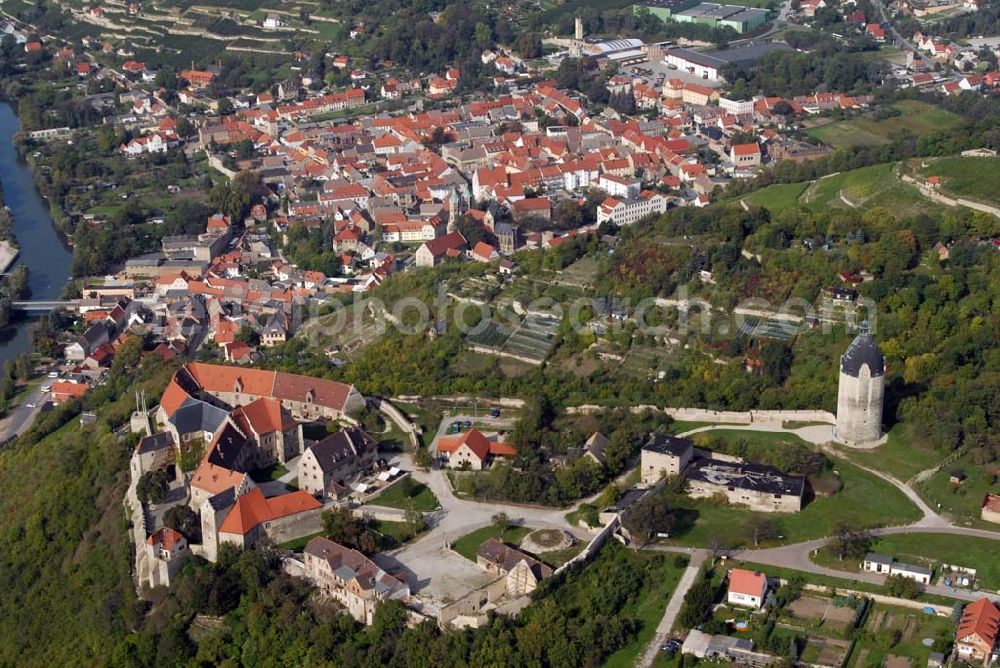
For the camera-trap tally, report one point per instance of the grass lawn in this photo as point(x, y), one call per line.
point(915, 118)
point(470, 542)
point(963, 501)
point(579, 516)
point(648, 609)
point(557, 558)
point(272, 472)
point(703, 523)
point(401, 496)
point(974, 178)
point(298, 544)
point(902, 456)
point(777, 197)
point(923, 548)
point(396, 532)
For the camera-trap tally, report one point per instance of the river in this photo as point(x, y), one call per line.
point(48, 259)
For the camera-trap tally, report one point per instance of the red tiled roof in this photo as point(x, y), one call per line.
point(746, 582)
point(478, 443)
point(981, 619)
point(166, 537)
point(252, 509)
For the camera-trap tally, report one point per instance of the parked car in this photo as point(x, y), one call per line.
point(53, 374)
point(494, 412)
point(46, 388)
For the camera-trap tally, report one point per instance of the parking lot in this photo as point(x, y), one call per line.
point(659, 69)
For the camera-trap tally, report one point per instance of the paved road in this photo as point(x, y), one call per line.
point(22, 417)
point(673, 609)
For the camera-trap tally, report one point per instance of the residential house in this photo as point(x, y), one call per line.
point(473, 450)
point(747, 588)
point(977, 633)
point(434, 251)
point(877, 563)
point(351, 578)
point(329, 464)
point(595, 446)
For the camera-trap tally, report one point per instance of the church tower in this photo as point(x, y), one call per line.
point(454, 210)
point(861, 390)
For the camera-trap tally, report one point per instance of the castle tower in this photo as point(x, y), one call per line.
point(861, 390)
point(578, 29)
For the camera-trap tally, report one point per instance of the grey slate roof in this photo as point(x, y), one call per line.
point(667, 445)
point(157, 441)
point(863, 350)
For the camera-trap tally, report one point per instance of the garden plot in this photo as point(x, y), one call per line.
point(531, 341)
point(823, 651)
point(822, 611)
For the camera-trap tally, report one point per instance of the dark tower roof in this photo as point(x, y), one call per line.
point(863, 350)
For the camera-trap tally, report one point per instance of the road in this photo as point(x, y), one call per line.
point(21, 418)
point(892, 27)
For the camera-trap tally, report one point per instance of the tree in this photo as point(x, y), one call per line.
point(648, 517)
point(414, 518)
point(529, 45)
point(423, 459)
point(848, 543)
point(341, 526)
point(761, 529)
point(185, 521)
point(152, 486)
point(501, 522)
point(698, 600)
point(902, 586)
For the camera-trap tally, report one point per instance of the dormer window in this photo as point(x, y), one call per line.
point(310, 396)
point(238, 386)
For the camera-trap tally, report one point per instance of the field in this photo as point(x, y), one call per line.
point(964, 500)
point(868, 187)
point(864, 188)
point(974, 178)
point(703, 523)
point(777, 197)
point(915, 118)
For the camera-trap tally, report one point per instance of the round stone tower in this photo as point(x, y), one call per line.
point(862, 385)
